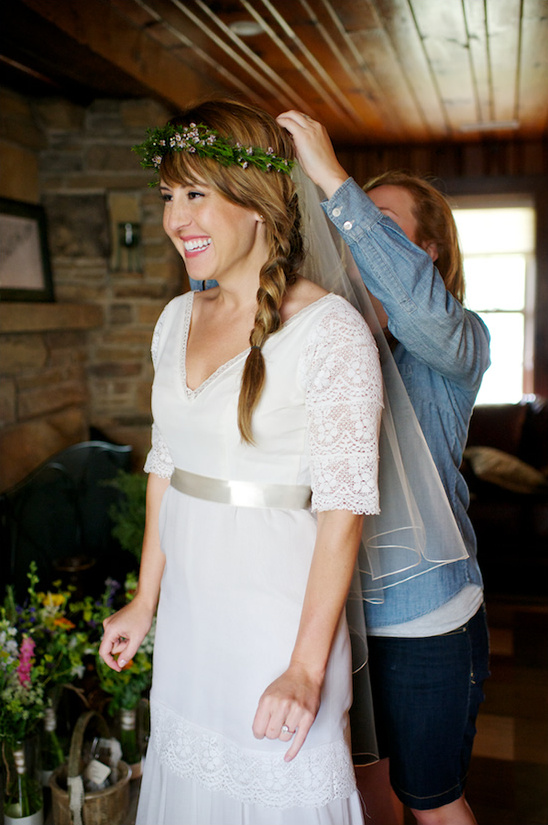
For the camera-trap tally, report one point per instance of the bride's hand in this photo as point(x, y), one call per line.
point(123, 633)
point(287, 709)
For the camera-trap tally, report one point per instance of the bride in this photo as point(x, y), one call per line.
point(266, 402)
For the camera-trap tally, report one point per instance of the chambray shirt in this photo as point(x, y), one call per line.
point(442, 354)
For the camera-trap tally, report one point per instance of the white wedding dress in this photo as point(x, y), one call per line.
point(235, 576)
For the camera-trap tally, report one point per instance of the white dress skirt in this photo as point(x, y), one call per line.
point(237, 568)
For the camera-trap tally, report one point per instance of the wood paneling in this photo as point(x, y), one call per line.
point(374, 71)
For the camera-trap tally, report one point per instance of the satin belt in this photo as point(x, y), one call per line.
point(242, 493)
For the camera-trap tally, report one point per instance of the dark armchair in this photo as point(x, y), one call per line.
point(59, 517)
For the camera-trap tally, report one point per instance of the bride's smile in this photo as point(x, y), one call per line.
point(215, 237)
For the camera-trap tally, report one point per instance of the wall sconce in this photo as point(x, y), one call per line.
point(128, 247)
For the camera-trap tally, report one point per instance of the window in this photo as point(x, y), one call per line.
point(498, 245)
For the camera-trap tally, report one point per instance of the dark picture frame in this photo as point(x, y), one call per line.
point(25, 269)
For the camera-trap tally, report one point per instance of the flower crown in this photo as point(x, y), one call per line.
point(198, 139)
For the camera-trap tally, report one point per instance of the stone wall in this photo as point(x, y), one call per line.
point(92, 372)
point(90, 182)
point(43, 383)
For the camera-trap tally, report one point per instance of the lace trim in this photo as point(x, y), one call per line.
point(182, 363)
point(313, 779)
point(155, 343)
point(159, 460)
point(341, 372)
point(242, 355)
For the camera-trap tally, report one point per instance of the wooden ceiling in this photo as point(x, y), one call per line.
point(374, 71)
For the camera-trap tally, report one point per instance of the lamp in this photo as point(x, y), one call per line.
point(128, 247)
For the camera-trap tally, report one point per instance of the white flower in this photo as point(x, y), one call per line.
point(78, 671)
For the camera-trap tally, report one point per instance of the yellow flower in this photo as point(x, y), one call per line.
point(52, 599)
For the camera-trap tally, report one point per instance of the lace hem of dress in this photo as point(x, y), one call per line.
point(313, 779)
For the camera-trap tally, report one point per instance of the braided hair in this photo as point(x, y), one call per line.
point(271, 194)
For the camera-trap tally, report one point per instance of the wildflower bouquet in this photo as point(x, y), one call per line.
point(127, 687)
point(39, 649)
point(21, 683)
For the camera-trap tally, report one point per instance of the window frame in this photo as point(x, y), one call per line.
point(500, 190)
point(511, 201)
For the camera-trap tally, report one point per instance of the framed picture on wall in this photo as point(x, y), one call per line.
point(25, 271)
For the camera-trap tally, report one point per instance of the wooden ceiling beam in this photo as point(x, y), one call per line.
point(504, 31)
point(442, 29)
point(100, 27)
point(373, 71)
point(533, 80)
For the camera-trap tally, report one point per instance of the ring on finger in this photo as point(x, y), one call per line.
point(285, 729)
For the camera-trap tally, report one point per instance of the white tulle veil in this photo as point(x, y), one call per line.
point(416, 530)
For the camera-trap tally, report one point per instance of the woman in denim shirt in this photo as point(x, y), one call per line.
point(428, 638)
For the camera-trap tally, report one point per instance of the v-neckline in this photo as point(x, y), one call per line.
point(192, 393)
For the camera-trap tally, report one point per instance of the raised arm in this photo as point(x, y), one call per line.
point(430, 323)
point(126, 629)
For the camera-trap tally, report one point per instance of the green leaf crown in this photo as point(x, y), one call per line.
point(198, 139)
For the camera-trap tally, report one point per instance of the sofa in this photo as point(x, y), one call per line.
point(506, 467)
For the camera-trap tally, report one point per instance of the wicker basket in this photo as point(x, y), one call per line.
point(105, 807)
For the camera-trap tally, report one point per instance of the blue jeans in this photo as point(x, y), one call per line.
point(426, 695)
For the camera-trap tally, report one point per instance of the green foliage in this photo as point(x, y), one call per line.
point(126, 687)
point(128, 515)
point(198, 139)
point(39, 647)
point(46, 641)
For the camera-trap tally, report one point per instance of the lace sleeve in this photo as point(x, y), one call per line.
point(343, 381)
point(158, 460)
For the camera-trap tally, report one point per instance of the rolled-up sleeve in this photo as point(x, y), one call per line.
point(430, 323)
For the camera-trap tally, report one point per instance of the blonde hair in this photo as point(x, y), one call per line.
point(435, 222)
point(271, 194)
